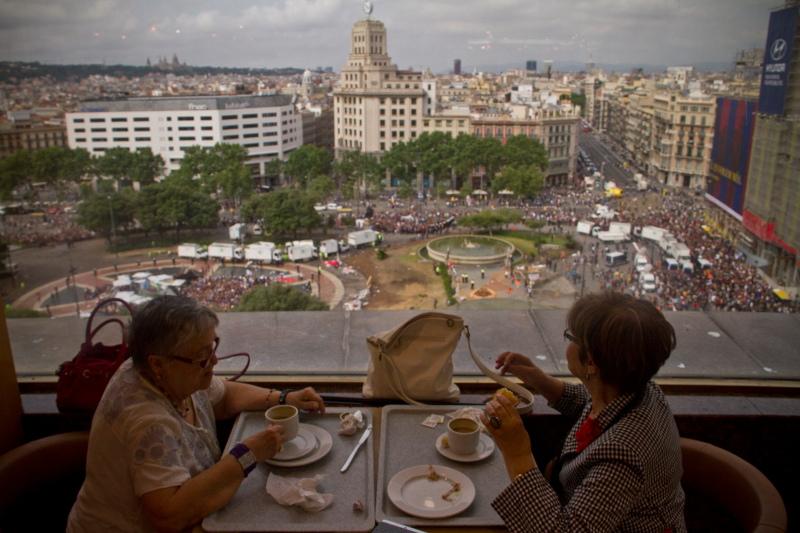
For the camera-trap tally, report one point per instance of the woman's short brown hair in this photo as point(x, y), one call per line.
point(628, 339)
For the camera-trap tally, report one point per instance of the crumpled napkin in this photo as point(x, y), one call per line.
point(301, 492)
point(350, 423)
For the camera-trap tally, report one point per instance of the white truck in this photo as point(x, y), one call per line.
point(301, 251)
point(652, 233)
point(612, 236)
point(191, 250)
point(263, 252)
point(356, 239)
point(585, 227)
point(679, 251)
point(225, 250)
point(667, 240)
point(331, 247)
point(603, 211)
point(237, 232)
point(620, 227)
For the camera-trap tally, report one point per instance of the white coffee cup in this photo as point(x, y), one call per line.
point(463, 435)
point(286, 416)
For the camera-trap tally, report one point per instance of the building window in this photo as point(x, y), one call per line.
point(121, 139)
point(142, 139)
point(249, 135)
point(228, 117)
point(230, 127)
point(205, 117)
point(250, 115)
point(118, 119)
point(249, 126)
point(77, 120)
point(186, 138)
point(99, 139)
point(141, 119)
point(206, 128)
point(80, 140)
point(229, 137)
point(80, 130)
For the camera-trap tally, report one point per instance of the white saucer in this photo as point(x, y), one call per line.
point(301, 445)
point(484, 450)
point(413, 493)
point(323, 444)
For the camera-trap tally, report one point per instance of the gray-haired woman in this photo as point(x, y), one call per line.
point(154, 462)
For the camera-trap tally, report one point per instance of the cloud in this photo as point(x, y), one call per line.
point(422, 33)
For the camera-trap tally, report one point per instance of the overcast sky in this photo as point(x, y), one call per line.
point(422, 33)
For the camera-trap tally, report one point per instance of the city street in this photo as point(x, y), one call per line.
point(606, 160)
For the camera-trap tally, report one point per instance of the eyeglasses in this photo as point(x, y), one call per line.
point(202, 363)
point(569, 337)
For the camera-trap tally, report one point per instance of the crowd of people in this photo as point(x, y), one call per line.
point(42, 229)
point(223, 292)
point(730, 284)
point(413, 221)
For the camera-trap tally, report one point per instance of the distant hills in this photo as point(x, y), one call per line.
point(10, 70)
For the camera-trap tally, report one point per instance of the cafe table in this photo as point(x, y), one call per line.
point(398, 441)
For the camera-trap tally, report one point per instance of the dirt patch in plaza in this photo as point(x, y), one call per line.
point(401, 281)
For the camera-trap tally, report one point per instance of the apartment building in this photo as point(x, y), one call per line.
point(556, 127)
point(14, 137)
point(267, 126)
point(683, 136)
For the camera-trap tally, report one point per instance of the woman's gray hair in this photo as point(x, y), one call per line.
point(165, 325)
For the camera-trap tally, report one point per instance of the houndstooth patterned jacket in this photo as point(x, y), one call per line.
point(629, 479)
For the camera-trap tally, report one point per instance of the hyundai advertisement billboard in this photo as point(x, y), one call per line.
point(777, 56)
point(730, 156)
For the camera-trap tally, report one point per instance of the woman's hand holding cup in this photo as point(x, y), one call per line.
point(265, 444)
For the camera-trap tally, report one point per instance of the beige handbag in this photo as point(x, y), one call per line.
point(415, 360)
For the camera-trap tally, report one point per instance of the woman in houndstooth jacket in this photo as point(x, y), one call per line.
point(620, 466)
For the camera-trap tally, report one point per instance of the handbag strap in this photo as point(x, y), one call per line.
point(519, 390)
point(246, 365)
point(102, 303)
point(106, 322)
point(395, 383)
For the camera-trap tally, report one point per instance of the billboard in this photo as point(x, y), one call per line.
point(777, 57)
point(730, 156)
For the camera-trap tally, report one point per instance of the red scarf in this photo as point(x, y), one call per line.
point(588, 431)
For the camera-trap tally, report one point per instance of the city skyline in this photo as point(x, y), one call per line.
point(310, 33)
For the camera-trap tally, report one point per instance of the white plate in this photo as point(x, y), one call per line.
point(484, 450)
point(323, 446)
point(301, 445)
point(413, 493)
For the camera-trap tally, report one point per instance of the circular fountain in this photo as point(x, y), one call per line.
point(469, 249)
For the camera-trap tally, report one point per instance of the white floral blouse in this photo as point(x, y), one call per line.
point(139, 443)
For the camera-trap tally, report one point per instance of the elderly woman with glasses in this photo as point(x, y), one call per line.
point(154, 461)
point(620, 466)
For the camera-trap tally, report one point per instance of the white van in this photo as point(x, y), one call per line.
point(671, 264)
point(648, 282)
point(616, 258)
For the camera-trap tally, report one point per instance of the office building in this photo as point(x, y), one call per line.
point(530, 66)
point(267, 126)
point(376, 105)
point(457, 67)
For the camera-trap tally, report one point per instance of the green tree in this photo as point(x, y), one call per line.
point(520, 150)
point(15, 171)
point(278, 297)
point(145, 166)
point(321, 187)
point(221, 170)
point(183, 206)
point(283, 212)
point(525, 180)
point(107, 213)
point(358, 174)
point(116, 164)
point(306, 163)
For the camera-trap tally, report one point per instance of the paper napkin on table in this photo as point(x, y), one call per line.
point(301, 492)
